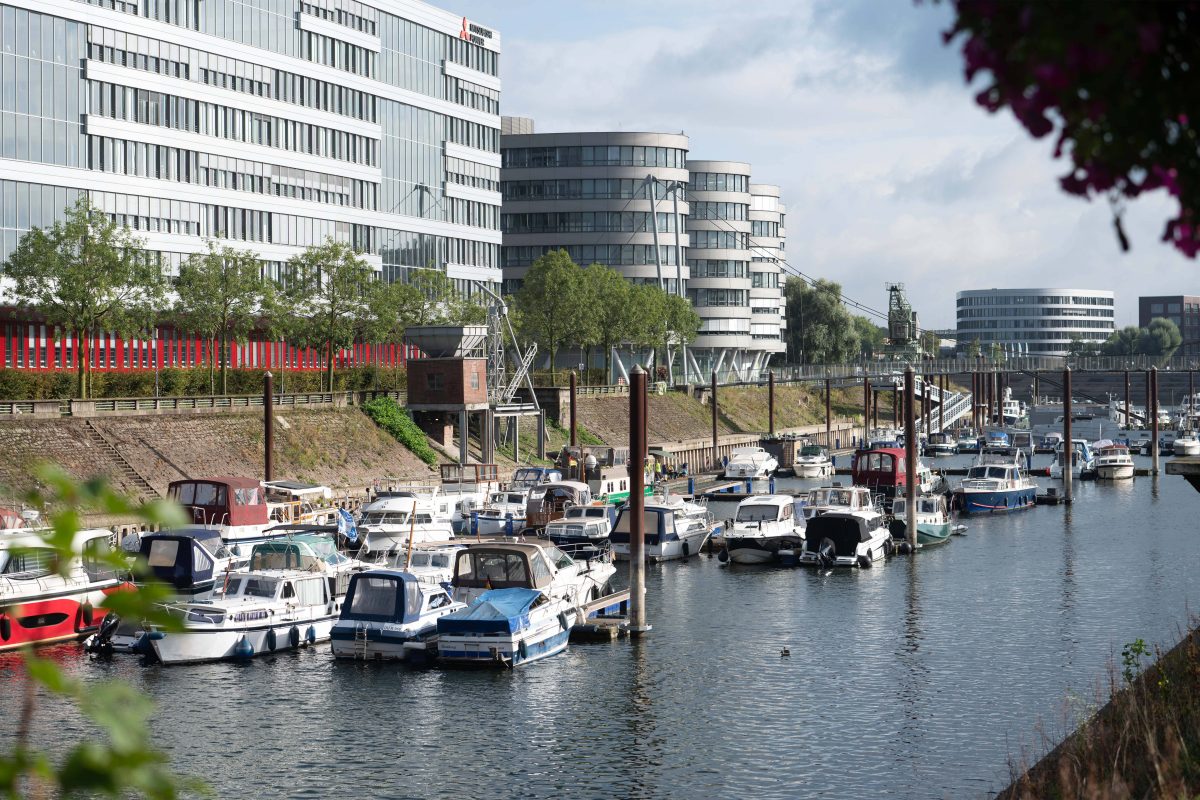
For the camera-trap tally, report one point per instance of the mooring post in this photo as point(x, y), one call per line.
point(910, 460)
point(943, 382)
point(771, 403)
point(866, 409)
point(1191, 409)
point(1128, 417)
point(268, 425)
point(637, 500)
point(716, 458)
point(1037, 385)
point(828, 418)
point(1068, 445)
point(574, 423)
point(1154, 421)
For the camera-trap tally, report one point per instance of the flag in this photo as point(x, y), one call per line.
point(345, 526)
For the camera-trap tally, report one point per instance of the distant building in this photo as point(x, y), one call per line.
point(1182, 309)
point(1034, 321)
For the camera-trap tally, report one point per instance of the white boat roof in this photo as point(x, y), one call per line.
point(29, 537)
point(768, 500)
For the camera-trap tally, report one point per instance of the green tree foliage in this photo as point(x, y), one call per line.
point(870, 337)
point(1117, 81)
point(1123, 342)
point(432, 299)
point(1080, 347)
point(551, 302)
point(398, 422)
point(975, 349)
point(335, 293)
point(86, 274)
point(124, 762)
point(819, 328)
point(1160, 338)
point(221, 294)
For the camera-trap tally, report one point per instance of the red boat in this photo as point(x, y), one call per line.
point(881, 469)
point(37, 604)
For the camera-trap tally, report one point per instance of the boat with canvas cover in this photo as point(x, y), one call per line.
point(846, 539)
point(507, 628)
point(390, 615)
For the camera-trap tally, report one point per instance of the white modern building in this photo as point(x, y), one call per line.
point(272, 125)
point(1034, 321)
point(768, 251)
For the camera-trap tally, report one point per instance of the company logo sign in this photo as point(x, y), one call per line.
point(475, 34)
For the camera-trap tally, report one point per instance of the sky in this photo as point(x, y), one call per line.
point(889, 170)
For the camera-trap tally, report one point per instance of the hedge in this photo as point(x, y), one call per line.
point(397, 421)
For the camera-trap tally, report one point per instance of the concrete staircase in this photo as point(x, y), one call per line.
point(128, 476)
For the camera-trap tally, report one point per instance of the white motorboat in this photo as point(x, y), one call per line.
point(1186, 444)
point(259, 612)
point(390, 615)
point(300, 503)
point(846, 539)
point(750, 462)
point(392, 519)
point(507, 627)
point(1082, 459)
point(432, 564)
point(529, 565)
point(1113, 461)
point(935, 524)
point(44, 601)
point(813, 462)
point(941, 444)
point(763, 526)
point(674, 528)
point(550, 501)
point(502, 514)
point(837, 498)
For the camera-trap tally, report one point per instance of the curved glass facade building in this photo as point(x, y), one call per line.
point(1034, 321)
point(272, 125)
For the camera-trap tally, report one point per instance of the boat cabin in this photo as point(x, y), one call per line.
point(25, 556)
point(525, 477)
point(551, 500)
point(659, 523)
point(507, 566)
point(991, 475)
point(846, 530)
point(928, 505)
point(300, 590)
point(851, 498)
point(185, 559)
point(881, 469)
point(385, 595)
point(765, 508)
point(604, 469)
point(571, 531)
point(296, 501)
point(227, 502)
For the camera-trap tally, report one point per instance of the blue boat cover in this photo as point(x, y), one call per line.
point(494, 611)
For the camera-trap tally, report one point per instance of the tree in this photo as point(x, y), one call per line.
point(1079, 347)
point(335, 292)
point(221, 294)
point(439, 301)
point(870, 337)
point(549, 302)
point(931, 344)
point(86, 274)
point(671, 320)
point(610, 317)
point(1118, 82)
point(975, 349)
point(1160, 338)
point(819, 328)
point(1123, 342)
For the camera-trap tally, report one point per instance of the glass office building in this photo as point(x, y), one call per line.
point(1034, 321)
point(272, 124)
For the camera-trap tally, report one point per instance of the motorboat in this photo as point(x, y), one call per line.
point(996, 439)
point(235, 507)
point(299, 502)
point(390, 615)
point(550, 501)
point(604, 469)
point(967, 441)
point(1022, 442)
point(837, 498)
point(525, 477)
point(883, 471)
point(507, 627)
point(259, 612)
point(430, 563)
point(1012, 411)
point(786, 449)
point(1186, 444)
point(884, 437)
point(1082, 459)
point(1113, 461)
point(763, 526)
point(502, 514)
point(934, 523)
point(812, 462)
point(463, 489)
point(390, 521)
point(996, 482)
point(308, 547)
point(43, 600)
point(750, 462)
point(192, 561)
point(846, 539)
point(529, 565)
point(673, 528)
point(1049, 443)
point(941, 444)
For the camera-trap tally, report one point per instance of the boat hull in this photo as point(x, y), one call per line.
point(1114, 472)
point(683, 547)
point(194, 647)
point(990, 502)
point(813, 470)
point(383, 641)
point(508, 650)
point(759, 549)
point(493, 526)
point(1186, 448)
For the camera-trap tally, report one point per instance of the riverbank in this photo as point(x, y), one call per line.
point(1144, 742)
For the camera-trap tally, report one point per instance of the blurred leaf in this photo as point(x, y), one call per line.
point(49, 675)
point(146, 604)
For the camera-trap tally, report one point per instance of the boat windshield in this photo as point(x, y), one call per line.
point(810, 450)
point(384, 518)
point(978, 472)
point(258, 587)
point(757, 513)
point(557, 557)
point(375, 596)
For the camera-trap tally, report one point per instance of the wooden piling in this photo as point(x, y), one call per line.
point(910, 460)
point(715, 454)
point(1154, 454)
point(771, 403)
point(574, 422)
point(866, 410)
point(1068, 445)
point(637, 499)
point(268, 426)
point(895, 408)
point(943, 381)
point(828, 416)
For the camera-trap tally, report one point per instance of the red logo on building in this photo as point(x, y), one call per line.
point(463, 34)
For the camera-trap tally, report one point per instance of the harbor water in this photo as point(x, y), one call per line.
point(922, 677)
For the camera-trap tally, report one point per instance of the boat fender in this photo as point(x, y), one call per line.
point(889, 547)
point(294, 636)
point(5, 628)
point(243, 649)
point(864, 562)
point(687, 550)
point(523, 649)
point(271, 641)
point(310, 635)
point(562, 620)
point(89, 614)
point(723, 556)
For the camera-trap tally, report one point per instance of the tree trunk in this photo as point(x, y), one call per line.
point(329, 365)
point(212, 381)
point(81, 352)
point(225, 344)
point(608, 348)
point(553, 353)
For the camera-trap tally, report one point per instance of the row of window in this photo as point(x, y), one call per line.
point(1074, 324)
point(609, 255)
point(593, 156)
point(764, 280)
point(718, 182)
point(763, 228)
point(1033, 299)
point(209, 119)
point(353, 15)
point(719, 240)
point(321, 49)
point(587, 222)
point(472, 173)
point(470, 95)
point(717, 268)
point(714, 210)
point(27, 138)
point(577, 189)
point(1174, 308)
point(1031, 336)
point(718, 297)
point(1034, 311)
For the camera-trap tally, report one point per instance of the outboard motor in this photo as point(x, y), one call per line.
point(827, 553)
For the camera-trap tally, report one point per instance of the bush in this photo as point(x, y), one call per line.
point(398, 422)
